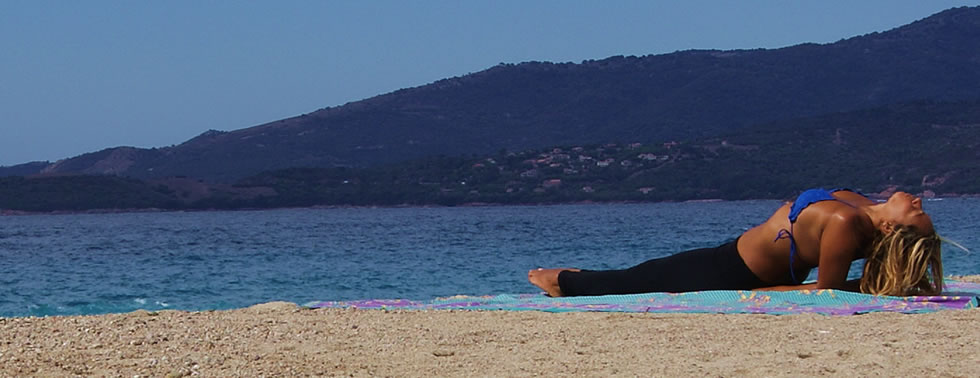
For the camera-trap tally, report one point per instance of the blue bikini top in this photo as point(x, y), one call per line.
point(808, 198)
point(805, 199)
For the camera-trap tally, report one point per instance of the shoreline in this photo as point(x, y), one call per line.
point(281, 338)
point(14, 213)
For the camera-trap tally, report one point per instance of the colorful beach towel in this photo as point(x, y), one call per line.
point(958, 295)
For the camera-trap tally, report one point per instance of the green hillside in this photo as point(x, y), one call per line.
point(923, 147)
point(686, 95)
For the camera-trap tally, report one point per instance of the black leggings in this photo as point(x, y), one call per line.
point(719, 268)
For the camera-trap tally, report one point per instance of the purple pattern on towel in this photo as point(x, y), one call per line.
point(958, 295)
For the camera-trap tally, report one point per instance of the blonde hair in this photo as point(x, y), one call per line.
point(903, 262)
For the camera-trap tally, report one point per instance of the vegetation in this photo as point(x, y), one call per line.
point(898, 109)
point(77, 193)
point(684, 96)
point(923, 147)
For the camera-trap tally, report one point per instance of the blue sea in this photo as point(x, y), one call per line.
point(103, 263)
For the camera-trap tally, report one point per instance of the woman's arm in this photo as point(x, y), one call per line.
point(852, 285)
point(840, 245)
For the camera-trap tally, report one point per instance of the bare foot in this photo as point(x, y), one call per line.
point(547, 279)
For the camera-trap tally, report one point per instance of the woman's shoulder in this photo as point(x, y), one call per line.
point(846, 215)
point(853, 198)
point(848, 220)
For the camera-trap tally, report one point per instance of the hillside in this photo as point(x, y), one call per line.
point(681, 96)
point(928, 148)
point(923, 147)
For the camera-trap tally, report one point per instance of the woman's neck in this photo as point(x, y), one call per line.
point(875, 215)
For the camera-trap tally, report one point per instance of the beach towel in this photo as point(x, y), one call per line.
point(958, 295)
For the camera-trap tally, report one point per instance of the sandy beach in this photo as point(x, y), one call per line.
point(281, 339)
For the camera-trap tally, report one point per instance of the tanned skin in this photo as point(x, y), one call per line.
point(829, 234)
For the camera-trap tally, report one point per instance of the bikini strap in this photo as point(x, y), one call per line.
point(788, 234)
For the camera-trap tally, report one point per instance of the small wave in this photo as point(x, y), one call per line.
point(194, 258)
point(141, 301)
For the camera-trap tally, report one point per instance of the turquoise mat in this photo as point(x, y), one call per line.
point(958, 295)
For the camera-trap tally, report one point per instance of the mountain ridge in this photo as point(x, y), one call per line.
point(682, 95)
point(927, 148)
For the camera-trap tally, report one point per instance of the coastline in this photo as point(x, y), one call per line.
point(13, 213)
point(283, 339)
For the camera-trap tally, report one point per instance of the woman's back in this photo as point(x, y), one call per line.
point(766, 248)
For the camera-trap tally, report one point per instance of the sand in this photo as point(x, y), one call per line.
point(281, 339)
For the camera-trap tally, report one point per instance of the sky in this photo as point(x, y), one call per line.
point(81, 76)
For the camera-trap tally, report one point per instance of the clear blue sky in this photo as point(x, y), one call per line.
point(80, 76)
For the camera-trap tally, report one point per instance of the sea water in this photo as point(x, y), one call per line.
point(100, 263)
